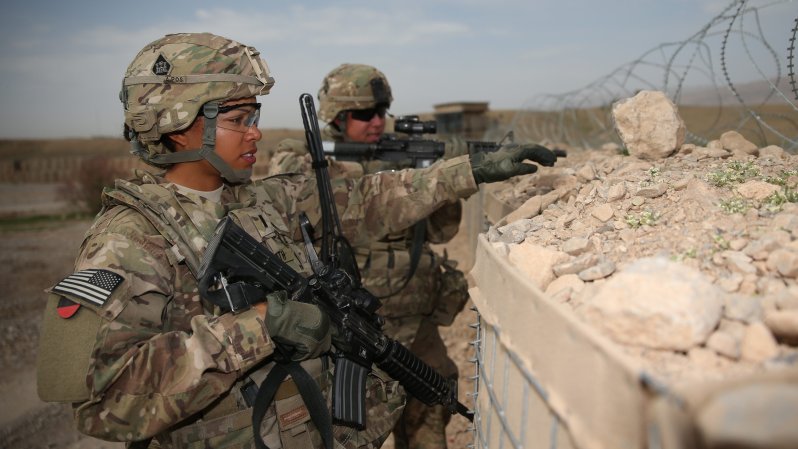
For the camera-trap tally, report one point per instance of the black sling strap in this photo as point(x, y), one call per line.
point(308, 389)
point(419, 235)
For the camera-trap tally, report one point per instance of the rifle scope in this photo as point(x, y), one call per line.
point(410, 124)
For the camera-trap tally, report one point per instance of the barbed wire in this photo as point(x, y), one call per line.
point(699, 74)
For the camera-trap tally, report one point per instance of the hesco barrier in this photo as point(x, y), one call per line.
point(548, 380)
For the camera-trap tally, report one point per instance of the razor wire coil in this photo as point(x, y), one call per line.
point(712, 57)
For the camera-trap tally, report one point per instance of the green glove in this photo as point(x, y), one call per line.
point(507, 162)
point(301, 330)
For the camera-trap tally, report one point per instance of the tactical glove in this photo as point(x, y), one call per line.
point(507, 162)
point(301, 330)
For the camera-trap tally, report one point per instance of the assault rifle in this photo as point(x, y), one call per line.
point(250, 271)
point(412, 151)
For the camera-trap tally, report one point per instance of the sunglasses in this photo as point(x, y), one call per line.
point(365, 115)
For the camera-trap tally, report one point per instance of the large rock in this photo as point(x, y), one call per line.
point(536, 262)
point(657, 304)
point(649, 125)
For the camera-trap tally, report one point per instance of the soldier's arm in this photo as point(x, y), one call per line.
point(383, 203)
point(143, 379)
point(444, 223)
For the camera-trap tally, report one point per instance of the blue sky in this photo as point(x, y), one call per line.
point(61, 63)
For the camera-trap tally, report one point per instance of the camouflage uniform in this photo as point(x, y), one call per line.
point(436, 292)
point(141, 355)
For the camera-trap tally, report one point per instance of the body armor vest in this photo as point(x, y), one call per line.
point(228, 423)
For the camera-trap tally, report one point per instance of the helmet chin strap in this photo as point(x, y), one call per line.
point(209, 110)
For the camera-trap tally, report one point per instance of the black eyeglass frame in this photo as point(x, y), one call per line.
point(365, 115)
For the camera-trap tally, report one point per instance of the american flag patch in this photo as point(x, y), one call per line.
point(92, 285)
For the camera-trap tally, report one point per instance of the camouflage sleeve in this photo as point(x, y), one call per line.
point(455, 146)
point(142, 379)
point(289, 156)
point(443, 224)
point(384, 203)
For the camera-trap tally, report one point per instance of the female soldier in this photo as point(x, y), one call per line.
point(128, 340)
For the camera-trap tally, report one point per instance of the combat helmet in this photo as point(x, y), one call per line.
point(177, 77)
point(352, 86)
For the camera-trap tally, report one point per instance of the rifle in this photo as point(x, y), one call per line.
point(413, 151)
point(250, 271)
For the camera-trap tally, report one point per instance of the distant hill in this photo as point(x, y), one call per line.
point(753, 94)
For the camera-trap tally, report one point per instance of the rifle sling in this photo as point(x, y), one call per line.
point(419, 234)
point(311, 395)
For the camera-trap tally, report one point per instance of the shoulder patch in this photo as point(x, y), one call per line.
point(92, 285)
point(66, 308)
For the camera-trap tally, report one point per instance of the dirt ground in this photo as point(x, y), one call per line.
point(31, 260)
point(36, 256)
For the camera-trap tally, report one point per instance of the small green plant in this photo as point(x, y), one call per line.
point(652, 174)
point(645, 218)
point(721, 243)
point(734, 205)
point(776, 200)
point(735, 172)
point(782, 178)
point(689, 254)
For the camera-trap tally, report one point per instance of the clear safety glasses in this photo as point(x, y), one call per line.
point(238, 117)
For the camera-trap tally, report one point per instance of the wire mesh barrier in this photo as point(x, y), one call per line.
point(737, 72)
point(512, 398)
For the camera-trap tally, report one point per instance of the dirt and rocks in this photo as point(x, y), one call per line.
point(689, 261)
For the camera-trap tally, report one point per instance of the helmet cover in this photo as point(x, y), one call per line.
point(170, 80)
point(352, 86)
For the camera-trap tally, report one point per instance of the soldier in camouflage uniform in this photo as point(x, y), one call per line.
point(421, 289)
point(127, 339)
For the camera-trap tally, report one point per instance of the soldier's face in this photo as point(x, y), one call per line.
point(235, 144)
point(365, 131)
point(237, 147)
